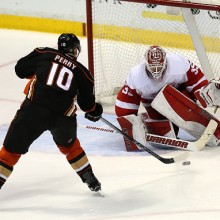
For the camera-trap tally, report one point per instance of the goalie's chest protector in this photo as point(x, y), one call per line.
point(184, 113)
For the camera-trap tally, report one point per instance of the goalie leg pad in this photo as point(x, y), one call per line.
point(159, 127)
point(138, 126)
point(162, 128)
point(185, 113)
point(133, 126)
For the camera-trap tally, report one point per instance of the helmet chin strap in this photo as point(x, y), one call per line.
point(74, 53)
point(71, 56)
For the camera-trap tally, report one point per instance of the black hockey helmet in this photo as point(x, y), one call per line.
point(69, 43)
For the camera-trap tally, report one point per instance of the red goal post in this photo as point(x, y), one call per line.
point(119, 32)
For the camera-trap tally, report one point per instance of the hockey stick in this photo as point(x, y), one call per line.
point(171, 142)
point(181, 157)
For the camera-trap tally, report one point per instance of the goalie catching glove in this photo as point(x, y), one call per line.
point(210, 94)
point(96, 114)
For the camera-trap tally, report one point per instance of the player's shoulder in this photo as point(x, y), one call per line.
point(172, 58)
point(177, 63)
point(137, 76)
point(81, 67)
point(45, 49)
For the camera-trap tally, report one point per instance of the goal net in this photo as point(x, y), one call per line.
point(120, 31)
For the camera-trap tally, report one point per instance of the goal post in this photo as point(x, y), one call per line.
point(120, 31)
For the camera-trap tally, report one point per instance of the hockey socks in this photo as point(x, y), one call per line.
point(5, 172)
point(7, 162)
point(78, 160)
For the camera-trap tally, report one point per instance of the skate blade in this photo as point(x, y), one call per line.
point(101, 193)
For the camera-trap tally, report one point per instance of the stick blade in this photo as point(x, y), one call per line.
point(206, 136)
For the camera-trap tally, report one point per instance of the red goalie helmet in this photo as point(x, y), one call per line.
point(156, 62)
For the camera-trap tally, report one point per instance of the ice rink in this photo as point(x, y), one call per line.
point(136, 185)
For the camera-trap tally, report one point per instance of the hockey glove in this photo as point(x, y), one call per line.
point(210, 94)
point(96, 114)
point(216, 80)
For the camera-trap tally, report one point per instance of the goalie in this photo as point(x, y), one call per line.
point(169, 86)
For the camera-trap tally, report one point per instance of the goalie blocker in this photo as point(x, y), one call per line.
point(176, 107)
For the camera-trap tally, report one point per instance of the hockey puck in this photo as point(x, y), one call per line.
point(185, 163)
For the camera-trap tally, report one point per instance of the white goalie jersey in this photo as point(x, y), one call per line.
point(140, 87)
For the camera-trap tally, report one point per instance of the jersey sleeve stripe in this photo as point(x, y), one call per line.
point(190, 88)
point(126, 105)
point(31, 89)
point(72, 109)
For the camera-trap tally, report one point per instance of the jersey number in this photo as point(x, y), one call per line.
point(194, 68)
point(63, 75)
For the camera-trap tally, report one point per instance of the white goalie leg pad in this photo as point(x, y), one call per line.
point(138, 129)
point(185, 113)
point(159, 127)
point(134, 127)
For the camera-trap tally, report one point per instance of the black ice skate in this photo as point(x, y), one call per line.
point(89, 178)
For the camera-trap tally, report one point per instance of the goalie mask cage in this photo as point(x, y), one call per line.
point(120, 31)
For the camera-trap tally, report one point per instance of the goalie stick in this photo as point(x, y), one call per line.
point(170, 142)
point(181, 157)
